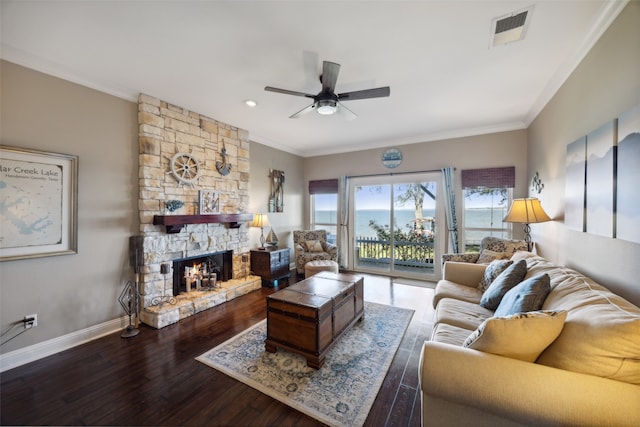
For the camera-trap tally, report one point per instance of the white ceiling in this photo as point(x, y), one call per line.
point(210, 56)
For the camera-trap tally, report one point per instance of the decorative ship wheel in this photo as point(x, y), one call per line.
point(185, 168)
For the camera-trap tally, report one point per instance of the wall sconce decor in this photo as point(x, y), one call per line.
point(276, 199)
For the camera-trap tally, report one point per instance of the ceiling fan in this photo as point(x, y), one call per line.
point(327, 102)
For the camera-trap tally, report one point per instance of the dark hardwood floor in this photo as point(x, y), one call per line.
point(154, 380)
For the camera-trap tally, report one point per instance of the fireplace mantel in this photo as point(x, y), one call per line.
point(174, 223)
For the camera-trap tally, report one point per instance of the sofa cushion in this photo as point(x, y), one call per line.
point(462, 314)
point(528, 295)
point(506, 280)
point(448, 289)
point(492, 271)
point(601, 334)
point(486, 256)
point(522, 336)
point(449, 334)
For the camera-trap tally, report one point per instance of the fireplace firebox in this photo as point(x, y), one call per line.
point(220, 263)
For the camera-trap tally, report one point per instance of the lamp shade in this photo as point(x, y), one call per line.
point(526, 211)
point(260, 220)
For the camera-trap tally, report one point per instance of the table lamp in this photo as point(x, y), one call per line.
point(261, 220)
point(526, 211)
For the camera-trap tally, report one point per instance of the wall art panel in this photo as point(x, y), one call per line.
point(628, 194)
point(600, 180)
point(574, 213)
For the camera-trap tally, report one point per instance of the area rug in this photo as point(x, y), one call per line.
point(342, 392)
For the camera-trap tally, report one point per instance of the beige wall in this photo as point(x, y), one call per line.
point(605, 84)
point(491, 150)
point(262, 159)
point(72, 292)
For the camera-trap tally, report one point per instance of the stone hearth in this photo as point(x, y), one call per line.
point(194, 302)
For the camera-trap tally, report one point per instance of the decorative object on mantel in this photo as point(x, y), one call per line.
point(536, 184)
point(174, 223)
point(173, 205)
point(209, 202)
point(262, 221)
point(526, 211)
point(272, 238)
point(276, 200)
point(185, 168)
point(224, 167)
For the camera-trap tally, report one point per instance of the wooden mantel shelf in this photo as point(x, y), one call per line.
point(174, 223)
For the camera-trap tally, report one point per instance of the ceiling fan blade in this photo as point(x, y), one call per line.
point(345, 112)
point(329, 76)
point(365, 94)
point(287, 92)
point(304, 111)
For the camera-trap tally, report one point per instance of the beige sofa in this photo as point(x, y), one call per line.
point(588, 375)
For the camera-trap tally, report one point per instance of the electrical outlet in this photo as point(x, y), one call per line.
point(30, 321)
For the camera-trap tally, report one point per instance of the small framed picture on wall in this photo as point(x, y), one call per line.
point(209, 202)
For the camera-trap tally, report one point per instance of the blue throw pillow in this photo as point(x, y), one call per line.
point(526, 296)
point(502, 284)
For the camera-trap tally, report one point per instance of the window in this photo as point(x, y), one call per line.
point(323, 206)
point(487, 195)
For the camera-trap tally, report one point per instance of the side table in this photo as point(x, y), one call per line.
point(271, 264)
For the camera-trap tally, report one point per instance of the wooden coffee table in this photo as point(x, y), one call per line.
point(310, 316)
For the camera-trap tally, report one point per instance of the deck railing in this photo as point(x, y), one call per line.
point(372, 250)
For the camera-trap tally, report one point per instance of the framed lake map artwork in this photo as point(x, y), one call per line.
point(38, 203)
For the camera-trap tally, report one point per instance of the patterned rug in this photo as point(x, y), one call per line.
point(342, 391)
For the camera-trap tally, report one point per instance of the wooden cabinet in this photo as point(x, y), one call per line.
point(271, 264)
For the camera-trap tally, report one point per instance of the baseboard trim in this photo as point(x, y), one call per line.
point(29, 354)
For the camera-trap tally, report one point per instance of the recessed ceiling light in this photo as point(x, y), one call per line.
point(250, 103)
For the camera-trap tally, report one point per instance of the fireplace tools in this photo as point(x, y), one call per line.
point(161, 300)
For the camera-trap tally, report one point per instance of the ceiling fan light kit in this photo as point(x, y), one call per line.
point(327, 107)
point(327, 102)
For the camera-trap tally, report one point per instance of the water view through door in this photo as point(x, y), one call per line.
point(394, 225)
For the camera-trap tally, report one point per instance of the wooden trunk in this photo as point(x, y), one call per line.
point(309, 317)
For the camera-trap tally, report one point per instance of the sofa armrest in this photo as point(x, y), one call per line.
point(463, 273)
point(524, 392)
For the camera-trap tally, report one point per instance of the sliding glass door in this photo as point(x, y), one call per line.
point(395, 224)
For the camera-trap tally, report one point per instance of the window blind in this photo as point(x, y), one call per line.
point(324, 186)
point(489, 177)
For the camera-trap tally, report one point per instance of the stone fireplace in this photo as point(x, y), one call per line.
point(164, 131)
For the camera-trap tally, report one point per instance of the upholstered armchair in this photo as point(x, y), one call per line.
point(490, 248)
point(311, 245)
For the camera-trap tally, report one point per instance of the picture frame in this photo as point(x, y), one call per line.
point(209, 202)
point(38, 203)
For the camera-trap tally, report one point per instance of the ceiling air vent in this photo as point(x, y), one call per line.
point(510, 28)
